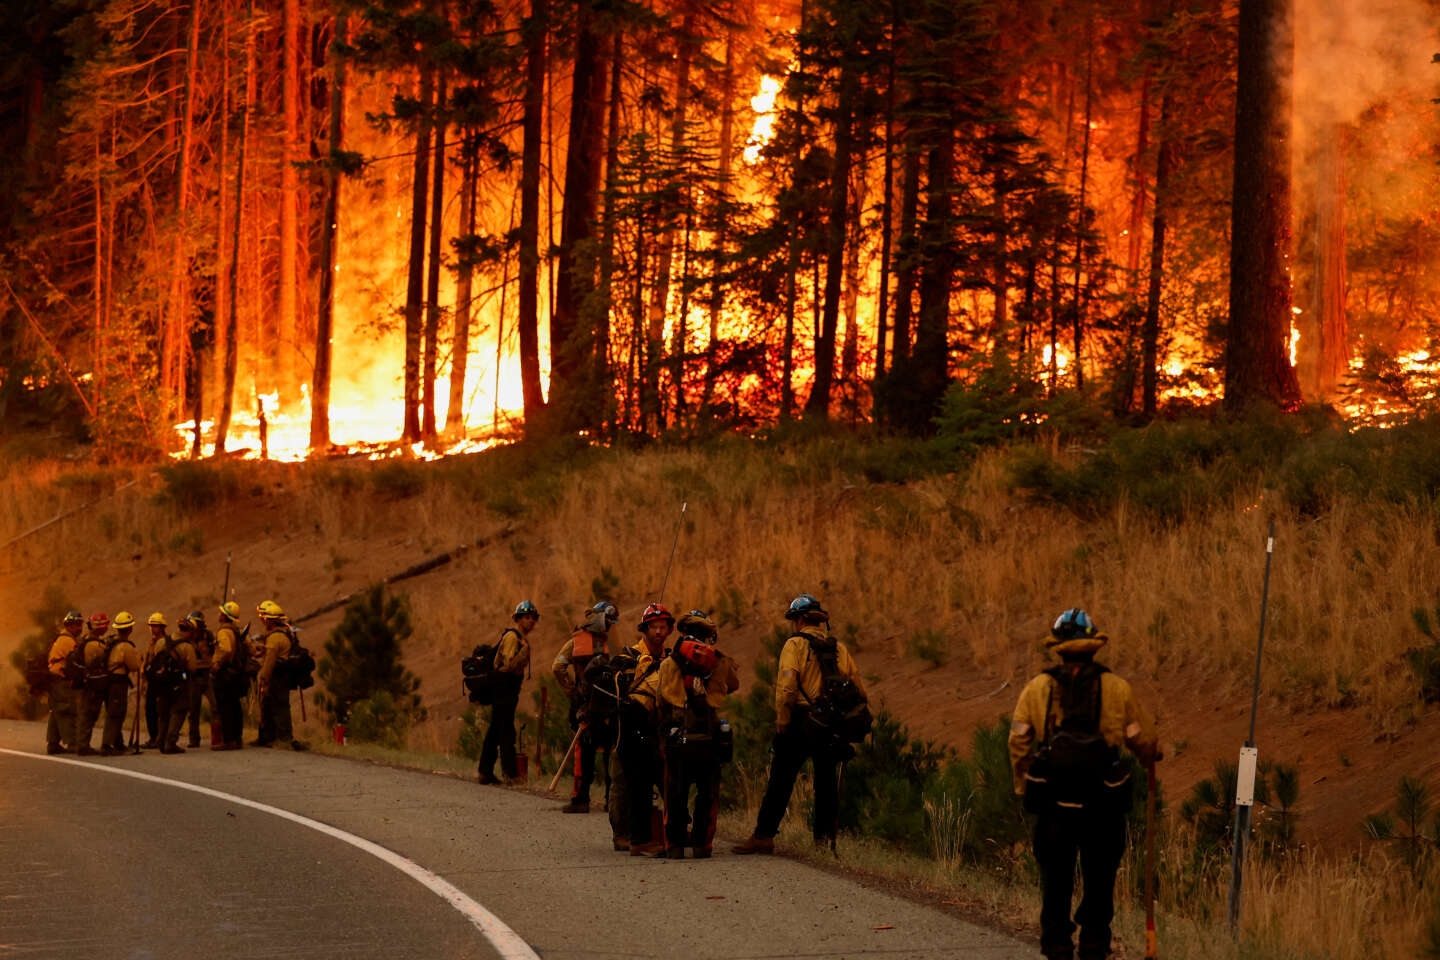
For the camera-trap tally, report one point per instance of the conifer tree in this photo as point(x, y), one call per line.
point(363, 655)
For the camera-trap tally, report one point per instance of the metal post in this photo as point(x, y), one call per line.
point(1249, 757)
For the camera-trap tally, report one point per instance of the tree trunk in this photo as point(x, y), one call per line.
point(415, 282)
point(232, 300)
point(1077, 317)
point(284, 351)
point(887, 204)
point(600, 363)
point(176, 359)
point(1000, 270)
point(850, 354)
point(329, 228)
point(432, 279)
point(571, 345)
point(818, 406)
point(905, 276)
point(665, 240)
point(1150, 350)
point(1257, 361)
point(1332, 353)
point(464, 284)
point(932, 347)
point(722, 193)
point(1140, 190)
point(787, 348)
point(535, 29)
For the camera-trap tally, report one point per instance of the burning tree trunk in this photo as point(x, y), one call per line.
point(464, 284)
point(177, 326)
point(232, 300)
point(601, 361)
point(887, 204)
point(722, 189)
point(535, 29)
point(570, 343)
point(1077, 318)
point(1257, 362)
point(325, 315)
point(1159, 225)
point(1327, 306)
point(665, 241)
point(932, 345)
point(905, 275)
point(818, 406)
point(284, 350)
point(415, 285)
point(432, 279)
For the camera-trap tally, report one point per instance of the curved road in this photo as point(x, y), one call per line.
point(98, 865)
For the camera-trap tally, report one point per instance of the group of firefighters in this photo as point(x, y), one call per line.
point(92, 665)
point(652, 708)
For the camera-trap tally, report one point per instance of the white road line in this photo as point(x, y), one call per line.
point(506, 942)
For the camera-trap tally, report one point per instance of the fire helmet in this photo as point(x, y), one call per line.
point(611, 612)
point(124, 620)
point(73, 616)
point(196, 617)
point(655, 613)
point(157, 619)
point(270, 610)
point(698, 625)
point(525, 609)
point(805, 606)
point(1073, 624)
point(99, 623)
point(230, 610)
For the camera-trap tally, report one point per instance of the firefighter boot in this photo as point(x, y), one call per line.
point(755, 844)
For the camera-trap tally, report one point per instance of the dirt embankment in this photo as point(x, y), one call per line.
point(306, 538)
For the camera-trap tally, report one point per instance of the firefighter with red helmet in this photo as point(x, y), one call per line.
point(693, 682)
point(635, 766)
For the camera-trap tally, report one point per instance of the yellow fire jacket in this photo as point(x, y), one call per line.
point(569, 664)
point(799, 678)
point(124, 659)
point(227, 642)
point(514, 653)
point(63, 646)
point(95, 648)
point(1123, 721)
point(277, 648)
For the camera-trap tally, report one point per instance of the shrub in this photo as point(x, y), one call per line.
point(46, 619)
point(192, 485)
point(362, 657)
point(472, 735)
point(378, 719)
point(605, 586)
point(929, 645)
point(1424, 662)
point(398, 480)
point(557, 732)
point(1404, 824)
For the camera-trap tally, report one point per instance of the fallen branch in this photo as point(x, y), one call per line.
point(61, 516)
point(424, 566)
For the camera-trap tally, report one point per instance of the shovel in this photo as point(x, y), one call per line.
point(1150, 946)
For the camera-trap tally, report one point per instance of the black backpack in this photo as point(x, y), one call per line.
point(97, 674)
point(841, 711)
point(1074, 767)
point(299, 664)
point(165, 669)
point(480, 681)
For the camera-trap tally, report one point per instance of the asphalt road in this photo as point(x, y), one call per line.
point(98, 865)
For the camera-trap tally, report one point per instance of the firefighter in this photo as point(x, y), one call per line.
point(635, 765)
point(1065, 737)
point(123, 663)
point(65, 674)
point(694, 681)
point(158, 638)
point(199, 688)
point(273, 681)
point(228, 677)
point(94, 650)
point(798, 692)
point(174, 675)
point(586, 643)
point(512, 660)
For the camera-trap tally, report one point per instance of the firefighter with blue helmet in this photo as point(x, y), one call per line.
point(512, 660)
point(1065, 737)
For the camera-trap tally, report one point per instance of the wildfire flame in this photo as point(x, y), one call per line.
point(763, 130)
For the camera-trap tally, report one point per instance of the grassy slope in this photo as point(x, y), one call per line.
point(959, 554)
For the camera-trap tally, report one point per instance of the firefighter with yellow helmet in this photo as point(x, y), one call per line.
point(228, 670)
point(159, 638)
point(273, 680)
point(123, 663)
point(65, 677)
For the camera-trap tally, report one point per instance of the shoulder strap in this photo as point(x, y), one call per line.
point(1079, 689)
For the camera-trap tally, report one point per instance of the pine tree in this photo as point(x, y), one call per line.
point(363, 655)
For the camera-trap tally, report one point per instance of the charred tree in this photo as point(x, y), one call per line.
point(329, 228)
point(535, 31)
point(415, 281)
point(464, 291)
point(1328, 293)
point(818, 405)
point(932, 342)
point(284, 349)
point(601, 360)
point(232, 300)
point(570, 343)
point(1159, 227)
point(432, 278)
point(1257, 361)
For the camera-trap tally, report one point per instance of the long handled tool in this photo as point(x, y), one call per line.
point(1150, 945)
point(225, 590)
point(139, 707)
point(673, 544)
point(566, 759)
